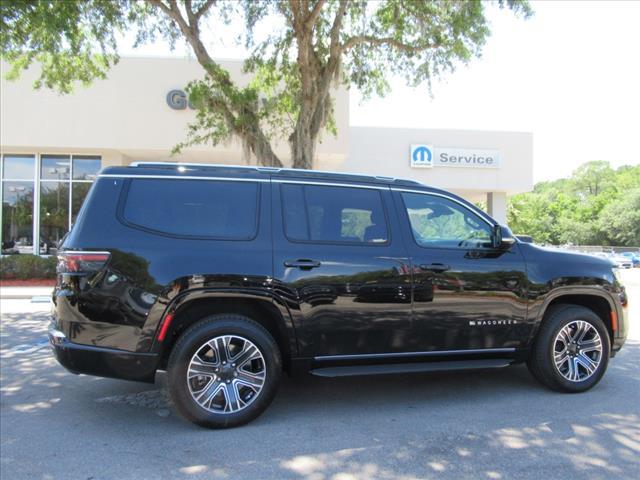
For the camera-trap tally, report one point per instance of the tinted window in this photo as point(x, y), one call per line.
point(334, 214)
point(194, 208)
point(440, 222)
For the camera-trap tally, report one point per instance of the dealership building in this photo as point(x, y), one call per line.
point(53, 146)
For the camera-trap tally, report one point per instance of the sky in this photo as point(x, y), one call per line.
point(570, 75)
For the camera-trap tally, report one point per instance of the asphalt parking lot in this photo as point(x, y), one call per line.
point(491, 425)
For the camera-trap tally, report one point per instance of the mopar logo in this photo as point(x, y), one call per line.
point(421, 156)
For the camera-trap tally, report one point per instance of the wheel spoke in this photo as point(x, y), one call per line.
point(561, 359)
point(207, 394)
point(249, 352)
point(564, 336)
point(591, 345)
point(232, 397)
point(222, 349)
point(251, 380)
point(573, 370)
point(588, 364)
point(200, 367)
point(581, 330)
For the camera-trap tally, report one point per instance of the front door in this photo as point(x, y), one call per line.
point(340, 262)
point(467, 294)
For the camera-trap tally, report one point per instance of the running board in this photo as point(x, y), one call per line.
point(355, 370)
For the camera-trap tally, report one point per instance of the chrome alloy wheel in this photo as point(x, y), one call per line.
point(226, 374)
point(577, 351)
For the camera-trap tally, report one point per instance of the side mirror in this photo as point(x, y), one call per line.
point(501, 238)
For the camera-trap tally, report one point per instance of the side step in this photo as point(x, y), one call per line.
point(355, 370)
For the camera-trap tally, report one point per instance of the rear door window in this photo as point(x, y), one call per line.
point(193, 208)
point(318, 213)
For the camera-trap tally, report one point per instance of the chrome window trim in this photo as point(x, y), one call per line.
point(434, 353)
point(330, 184)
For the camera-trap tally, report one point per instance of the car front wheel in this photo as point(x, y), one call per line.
point(572, 350)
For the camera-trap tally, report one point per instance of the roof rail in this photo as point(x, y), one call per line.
point(214, 165)
point(258, 168)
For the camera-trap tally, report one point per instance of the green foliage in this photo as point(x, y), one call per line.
point(71, 40)
point(595, 206)
point(27, 267)
point(620, 220)
point(312, 45)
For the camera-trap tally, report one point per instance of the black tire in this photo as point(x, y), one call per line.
point(541, 360)
point(191, 342)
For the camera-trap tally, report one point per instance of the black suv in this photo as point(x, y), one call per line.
point(227, 276)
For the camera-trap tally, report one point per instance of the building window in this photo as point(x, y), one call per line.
point(52, 198)
point(17, 187)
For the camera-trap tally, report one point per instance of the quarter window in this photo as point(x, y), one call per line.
point(320, 213)
point(443, 223)
point(194, 208)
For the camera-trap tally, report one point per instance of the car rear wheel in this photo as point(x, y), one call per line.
point(572, 350)
point(224, 371)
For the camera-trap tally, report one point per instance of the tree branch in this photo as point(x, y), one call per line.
point(193, 21)
point(374, 41)
point(314, 14)
point(204, 8)
point(334, 47)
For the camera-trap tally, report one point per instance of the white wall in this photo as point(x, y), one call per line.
point(127, 114)
point(386, 151)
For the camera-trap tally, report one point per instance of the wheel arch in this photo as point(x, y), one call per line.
point(594, 299)
point(260, 307)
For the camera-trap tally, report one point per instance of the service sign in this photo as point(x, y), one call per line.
point(428, 156)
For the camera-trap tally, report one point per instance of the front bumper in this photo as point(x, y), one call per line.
point(102, 362)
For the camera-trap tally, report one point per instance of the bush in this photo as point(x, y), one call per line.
point(27, 267)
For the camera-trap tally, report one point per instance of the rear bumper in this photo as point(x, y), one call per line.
point(102, 362)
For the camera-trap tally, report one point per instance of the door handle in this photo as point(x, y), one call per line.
point(435, 267)
point(302, 264)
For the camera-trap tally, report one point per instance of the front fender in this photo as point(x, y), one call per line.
point(539, 308)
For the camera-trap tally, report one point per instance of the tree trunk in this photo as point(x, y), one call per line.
point(303, 149)
point(261, 148)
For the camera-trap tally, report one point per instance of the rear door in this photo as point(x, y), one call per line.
point(340, 262)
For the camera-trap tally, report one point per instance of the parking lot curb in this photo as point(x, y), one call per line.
point(22, 293)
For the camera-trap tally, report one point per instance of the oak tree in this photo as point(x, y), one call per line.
point(313, 46)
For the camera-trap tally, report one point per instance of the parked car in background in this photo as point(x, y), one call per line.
point(634, 257)
point(621, 261)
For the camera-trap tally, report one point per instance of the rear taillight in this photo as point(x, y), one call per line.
point(81, 262)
